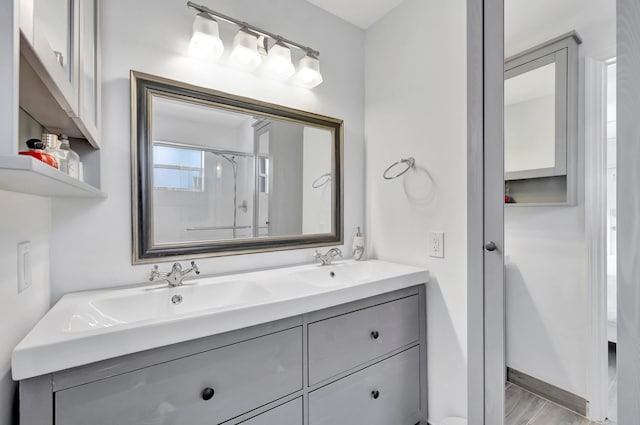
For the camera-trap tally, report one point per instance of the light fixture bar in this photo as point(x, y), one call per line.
point(253, 28)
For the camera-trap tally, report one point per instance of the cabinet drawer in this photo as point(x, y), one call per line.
point(343, 342)
point(351, 399)
point(287, 414)
point(243, 376)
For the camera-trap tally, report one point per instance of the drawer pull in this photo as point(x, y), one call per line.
point(207, 393)
point(375, 394)
point(375, 334)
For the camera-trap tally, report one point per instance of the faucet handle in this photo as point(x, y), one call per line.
point(195, 267)
point(316, 254)
point(154, 273)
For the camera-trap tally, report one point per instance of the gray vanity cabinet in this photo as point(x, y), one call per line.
point(286, 414)
point(343, 342)
point(362, 362)
point(383, 394)
point(203, 389)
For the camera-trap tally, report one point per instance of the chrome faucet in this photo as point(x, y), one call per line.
point(175, 276)
point(326, 259)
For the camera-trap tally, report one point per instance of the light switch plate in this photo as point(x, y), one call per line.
point(436, 244)
point(24, 265)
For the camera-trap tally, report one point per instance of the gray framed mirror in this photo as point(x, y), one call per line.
point(216, 174)
point(540, 93)
point(541, 123)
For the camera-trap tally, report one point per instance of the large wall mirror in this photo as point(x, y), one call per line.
point(216, 174)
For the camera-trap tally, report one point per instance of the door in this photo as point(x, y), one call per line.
point(628, 210)
point(485, 200)
point(485, 144)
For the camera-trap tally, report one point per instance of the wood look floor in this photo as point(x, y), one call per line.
point(525, 408)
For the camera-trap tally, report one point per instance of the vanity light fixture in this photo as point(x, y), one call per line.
point(308, 74)
point(250, 44)
point(245, 50)
point(278, 64)
point(205, 41)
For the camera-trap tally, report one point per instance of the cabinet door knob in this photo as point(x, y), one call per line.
point(207, 393)
point(375, 394)
point(375, 334)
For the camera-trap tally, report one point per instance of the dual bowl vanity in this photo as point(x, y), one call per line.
point(337, 344)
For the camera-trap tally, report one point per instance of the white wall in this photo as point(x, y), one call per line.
point(416, 106)
point(547, 313)
point(22, 218)
point(529, 23)
point(153, 37)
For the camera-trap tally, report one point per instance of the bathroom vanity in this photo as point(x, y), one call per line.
point(340, 344)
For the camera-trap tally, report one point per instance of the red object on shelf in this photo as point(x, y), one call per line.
point(35, 150)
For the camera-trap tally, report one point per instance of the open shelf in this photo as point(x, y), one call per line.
point(26, 174)
point(41, 99)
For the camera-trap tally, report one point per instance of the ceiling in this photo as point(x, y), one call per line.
point(362, 13)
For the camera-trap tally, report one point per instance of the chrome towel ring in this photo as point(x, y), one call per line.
point(323, 180)
point(409, 164)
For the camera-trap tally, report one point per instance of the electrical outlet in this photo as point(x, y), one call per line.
point(436, 244)
point(24, 266)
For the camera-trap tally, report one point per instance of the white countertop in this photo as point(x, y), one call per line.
point(87, 327)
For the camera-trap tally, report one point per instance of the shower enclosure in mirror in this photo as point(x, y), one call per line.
point(216, 174)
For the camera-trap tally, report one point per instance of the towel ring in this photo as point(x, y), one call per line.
point(409, 163)
point(323, 180)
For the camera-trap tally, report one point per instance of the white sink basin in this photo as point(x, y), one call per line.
point(139, 305)
point(86, 327)
point(344, 274)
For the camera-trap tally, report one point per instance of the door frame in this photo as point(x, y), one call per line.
point(485, 61)
point(628, 209)
point(595, 141)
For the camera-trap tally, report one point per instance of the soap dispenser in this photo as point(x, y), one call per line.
point(358, 245)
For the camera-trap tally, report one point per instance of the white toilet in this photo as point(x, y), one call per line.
point(454, 421)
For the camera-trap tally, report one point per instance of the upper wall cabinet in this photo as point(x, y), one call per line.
point(541, 122)
point(59, 50)
point(58, 91)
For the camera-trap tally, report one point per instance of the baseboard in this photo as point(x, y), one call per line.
point(550, 392)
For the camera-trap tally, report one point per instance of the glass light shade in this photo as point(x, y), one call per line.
point(308, 74)
point(205, 41)
point(245, 50)
point(278, 64)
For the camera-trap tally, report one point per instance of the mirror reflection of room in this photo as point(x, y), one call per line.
point(225, 175)
point(559, 213)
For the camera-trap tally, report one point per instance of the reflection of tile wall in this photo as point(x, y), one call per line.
point(176, 211)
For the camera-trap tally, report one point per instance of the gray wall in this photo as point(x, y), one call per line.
point(285, 199)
